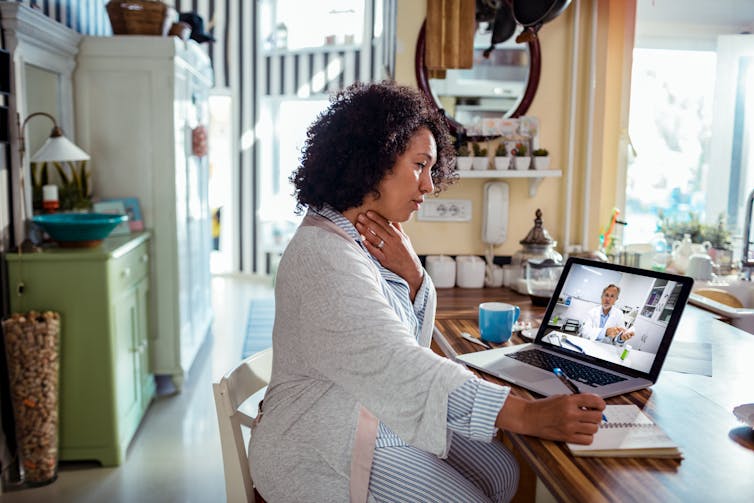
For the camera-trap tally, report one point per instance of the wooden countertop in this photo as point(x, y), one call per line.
point(695, 410)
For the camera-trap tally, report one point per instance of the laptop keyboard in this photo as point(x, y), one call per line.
point(576, 371)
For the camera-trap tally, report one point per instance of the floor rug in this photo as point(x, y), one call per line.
point(259, 326)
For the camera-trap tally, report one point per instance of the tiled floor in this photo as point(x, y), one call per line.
point(175, 455)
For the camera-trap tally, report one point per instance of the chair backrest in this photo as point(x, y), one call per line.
point(235, 387)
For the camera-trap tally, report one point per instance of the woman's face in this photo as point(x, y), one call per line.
point(403, 187)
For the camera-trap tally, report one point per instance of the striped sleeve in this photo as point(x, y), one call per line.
point(473, 408)
point(422, 297)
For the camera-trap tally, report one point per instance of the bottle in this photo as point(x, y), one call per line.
point(626, 350)
point(50, 202)
point(660, 249)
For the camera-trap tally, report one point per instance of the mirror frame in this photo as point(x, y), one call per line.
point(35, 39)
point(458, 129)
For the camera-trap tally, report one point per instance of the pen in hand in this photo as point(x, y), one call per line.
point(570, 385)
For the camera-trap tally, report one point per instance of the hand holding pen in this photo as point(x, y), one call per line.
point(570, 385)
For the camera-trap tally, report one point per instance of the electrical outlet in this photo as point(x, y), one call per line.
point(445, 210)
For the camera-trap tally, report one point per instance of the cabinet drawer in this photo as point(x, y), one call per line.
point(130, 268)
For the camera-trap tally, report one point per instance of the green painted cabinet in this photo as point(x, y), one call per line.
point(102, 295)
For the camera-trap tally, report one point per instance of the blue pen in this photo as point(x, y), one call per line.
point(567, 341)
point(570, 385)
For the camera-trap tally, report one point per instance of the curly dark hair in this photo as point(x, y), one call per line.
point(357, 140)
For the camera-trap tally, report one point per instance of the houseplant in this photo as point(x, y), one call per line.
point(541, 158)
point(521, 152)
point(73, 181)
point(480, 161)
point(463, 158)
point(502, 157)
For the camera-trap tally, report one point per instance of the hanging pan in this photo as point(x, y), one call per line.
point(532, 14)
point(503, 26)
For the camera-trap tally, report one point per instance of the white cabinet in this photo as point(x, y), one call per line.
point(137, 100)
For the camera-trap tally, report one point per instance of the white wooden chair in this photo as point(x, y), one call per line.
point(235, 387)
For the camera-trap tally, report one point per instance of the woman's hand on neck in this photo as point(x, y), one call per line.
point(387, 242)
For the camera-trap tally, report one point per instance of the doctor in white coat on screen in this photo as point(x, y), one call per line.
point(605, 323)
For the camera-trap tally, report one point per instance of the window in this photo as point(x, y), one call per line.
point(691, 116)
point(309, 51)
point(670, 128)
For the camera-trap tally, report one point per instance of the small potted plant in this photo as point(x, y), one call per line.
point(480, 161)
point(521, 153)
point(502, 157)
point(463, 158)
point(541, 158)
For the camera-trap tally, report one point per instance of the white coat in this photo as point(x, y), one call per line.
point(591, 329)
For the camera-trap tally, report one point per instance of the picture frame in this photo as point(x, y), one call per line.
point(132, 208)
point(114, 207)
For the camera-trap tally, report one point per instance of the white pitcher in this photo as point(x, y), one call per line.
point(682, 250)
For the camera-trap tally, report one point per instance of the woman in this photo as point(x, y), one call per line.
point(359, 408)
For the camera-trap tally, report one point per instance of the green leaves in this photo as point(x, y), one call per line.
point(75, 186)
point(717, 234)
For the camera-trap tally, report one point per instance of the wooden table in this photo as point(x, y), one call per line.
point(695, 410)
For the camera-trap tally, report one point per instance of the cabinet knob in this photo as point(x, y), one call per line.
point(145, 258)
point(126, 272)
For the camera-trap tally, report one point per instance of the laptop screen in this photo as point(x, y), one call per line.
point(620, 317)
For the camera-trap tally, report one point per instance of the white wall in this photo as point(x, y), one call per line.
point(587, 283)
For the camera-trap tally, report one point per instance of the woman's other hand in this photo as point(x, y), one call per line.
point(387, 242)
point(569, 418)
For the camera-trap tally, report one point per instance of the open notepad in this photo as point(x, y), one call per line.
point(628, 432)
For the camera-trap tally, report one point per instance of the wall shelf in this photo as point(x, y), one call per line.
point(535, 176)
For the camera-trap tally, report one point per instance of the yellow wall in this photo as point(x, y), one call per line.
point(551, 106)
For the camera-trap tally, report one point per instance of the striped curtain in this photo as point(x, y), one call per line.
point(87, 17)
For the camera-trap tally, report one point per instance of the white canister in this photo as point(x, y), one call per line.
point(442, 270)
point(469, 271)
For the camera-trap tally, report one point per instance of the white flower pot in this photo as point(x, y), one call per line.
point(542, 162)
point(480, 163)
point(503, 162)
point(523, 163)
point(463, 163)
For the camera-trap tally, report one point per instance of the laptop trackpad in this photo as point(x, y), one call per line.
point(512, 370)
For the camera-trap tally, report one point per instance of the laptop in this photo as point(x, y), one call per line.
point(650, 305)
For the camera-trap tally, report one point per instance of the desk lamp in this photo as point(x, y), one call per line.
point(57, 148)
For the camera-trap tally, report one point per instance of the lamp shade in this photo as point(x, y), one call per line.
point(59, 148)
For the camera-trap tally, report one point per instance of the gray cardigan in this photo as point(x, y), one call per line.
point(338, 346)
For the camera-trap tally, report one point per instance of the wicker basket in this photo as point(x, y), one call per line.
point(138, 17)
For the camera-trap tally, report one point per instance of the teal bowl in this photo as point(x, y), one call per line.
point(78, 229)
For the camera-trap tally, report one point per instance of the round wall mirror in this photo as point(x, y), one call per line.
point(502, 82)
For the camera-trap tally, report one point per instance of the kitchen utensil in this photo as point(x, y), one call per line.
point(541, 279)
point(532, 14)
point(700, 267)
point(537, 245)
point(470, 338)
point(78, 230)
point(496, 320)
point(503, 27)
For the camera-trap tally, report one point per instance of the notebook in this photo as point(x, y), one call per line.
point(628, 432)
point(650, 304)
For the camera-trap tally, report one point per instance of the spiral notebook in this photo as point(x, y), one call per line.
point(628, 432)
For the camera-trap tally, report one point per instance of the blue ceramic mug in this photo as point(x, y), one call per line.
point(496, 321)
